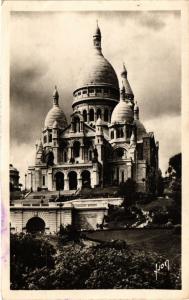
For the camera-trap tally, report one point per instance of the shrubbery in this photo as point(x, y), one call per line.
point(105, 266)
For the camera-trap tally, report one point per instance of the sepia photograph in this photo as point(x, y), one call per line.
point(95, 164)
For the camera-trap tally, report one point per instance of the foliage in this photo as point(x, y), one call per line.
point(160, 186)
point(27, 253)
point(175, 164)
point(128, 191)
point(68, 233)
point(106, 266)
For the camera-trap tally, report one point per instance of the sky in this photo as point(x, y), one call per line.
point(50, 48)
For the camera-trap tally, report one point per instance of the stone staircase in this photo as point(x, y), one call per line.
point(47, 196)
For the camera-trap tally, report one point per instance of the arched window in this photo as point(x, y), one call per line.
point(121, 132)
point(85, 116)
point(119, 153)
point(76, 124)
point(112, 135)
point(117, 133)
point(50, 138)
point(128, 132)
point(76, 149)
point(91, 114)
point(106, 115)
point(86, 178)
point(98, 113)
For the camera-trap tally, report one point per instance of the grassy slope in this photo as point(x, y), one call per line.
point(161, 241)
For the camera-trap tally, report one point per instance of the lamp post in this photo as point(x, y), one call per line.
point(25, 181)
point(31, 182)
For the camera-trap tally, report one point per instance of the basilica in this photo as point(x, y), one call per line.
point(105, 142)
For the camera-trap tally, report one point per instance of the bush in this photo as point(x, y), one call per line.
point(107, 266)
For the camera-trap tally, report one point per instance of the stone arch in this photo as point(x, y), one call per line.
point(86, 178)
point(119, 153)
point(35, 224)
point(76, 123)
point(98, 113)
point(59, 181)
point(72, 177)
point(84, 115)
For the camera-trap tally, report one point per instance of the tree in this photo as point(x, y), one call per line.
point(128, 191)
point(175, 165)
point(105, 266)
point(26, 254)
point(160, 186)
point(175, 186)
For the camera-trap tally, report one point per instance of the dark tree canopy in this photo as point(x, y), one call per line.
point(176, 163)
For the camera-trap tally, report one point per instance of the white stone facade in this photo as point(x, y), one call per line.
point(104, 144)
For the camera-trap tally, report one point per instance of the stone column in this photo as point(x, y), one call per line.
point(37, 178)
point(66, 182)
point(94, 176)
point(95, 116)
point(29, 181)
point(102, 115)
point(81, 126)
point(55, 151)
point(129, 169)
point(49, 180)
point(82, 152)
point(87, 116)
point(79, 181)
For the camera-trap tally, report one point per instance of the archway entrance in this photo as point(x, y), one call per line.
point(35, 224)
point(59, 178)
point(72, 180)
point(86, 178)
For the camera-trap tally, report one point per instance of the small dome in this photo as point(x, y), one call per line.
point(97, 71)
point(99, 122)
point(122, 113)
point(141, 131)
point(55, 114)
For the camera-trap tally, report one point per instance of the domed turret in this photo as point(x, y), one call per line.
point(128, 91)
point(99, 122)
point(123, 111)
point(55, 113)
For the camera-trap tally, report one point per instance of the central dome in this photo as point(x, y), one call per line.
point(97, 71)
